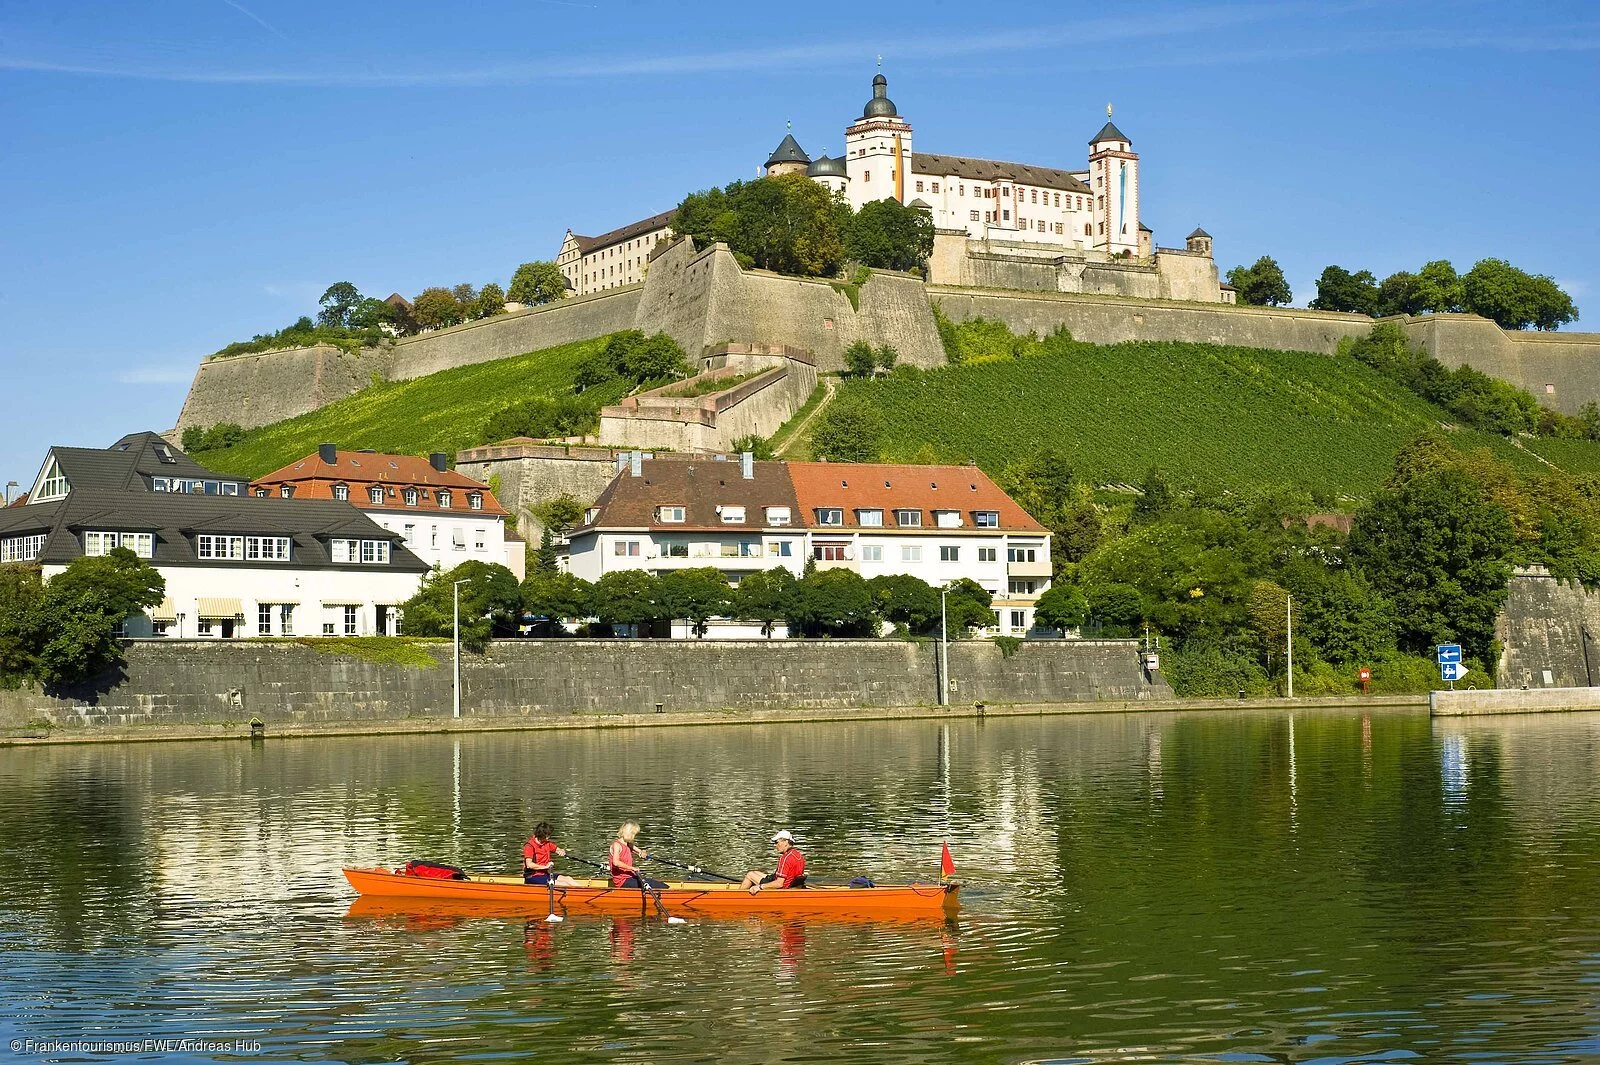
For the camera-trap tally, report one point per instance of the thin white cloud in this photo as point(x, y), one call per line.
point(157, 375)
point(252, 16)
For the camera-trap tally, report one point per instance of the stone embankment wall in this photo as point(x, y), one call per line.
point(1547, 632)
point(531, 473)
point(713, 422)
point(252, 390)
point(209, 682)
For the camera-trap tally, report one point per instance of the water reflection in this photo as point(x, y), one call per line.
point(1158, 888)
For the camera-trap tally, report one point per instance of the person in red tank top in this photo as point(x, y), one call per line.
point(791, 870)
point(624, 859)
point(539, 859)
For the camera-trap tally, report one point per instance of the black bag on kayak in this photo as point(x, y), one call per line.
point(433, 870)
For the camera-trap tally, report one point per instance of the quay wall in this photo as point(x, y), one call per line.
point(286, 682)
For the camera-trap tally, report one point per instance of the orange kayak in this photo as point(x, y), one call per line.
point(598, 896)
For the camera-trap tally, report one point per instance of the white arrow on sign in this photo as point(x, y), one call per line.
point(1452, 670)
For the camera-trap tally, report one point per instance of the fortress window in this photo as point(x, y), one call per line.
point(1058, 199)
point(866, 175)
point(1033, 196)
point(919, 186)
point(1060, 229)
point(961, 190)
point(1005, 216)
point(974, 215)
point(1087, 231)
point(935, 186)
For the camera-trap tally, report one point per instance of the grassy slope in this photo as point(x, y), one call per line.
point(445, 411)
point(1227, 417)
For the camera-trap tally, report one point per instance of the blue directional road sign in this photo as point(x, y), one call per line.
point(1449, 652)
point(1452, 670)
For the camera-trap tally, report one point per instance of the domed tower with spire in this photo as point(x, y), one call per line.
point(787, 158)
point(877, 149)
point(1114, 180)
point(830, 174)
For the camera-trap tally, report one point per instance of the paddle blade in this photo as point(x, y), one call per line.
point(947, 864)
point(554, 918)
point(676, 920)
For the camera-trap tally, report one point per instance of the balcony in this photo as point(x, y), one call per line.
point(1040, 568)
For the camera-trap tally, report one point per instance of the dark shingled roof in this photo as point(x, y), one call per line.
point(788, 151)
point(1198, 232)
point(823, 166)
point(993, 170)
point(626, 233)
point(175, 518)
point(701, 486)
point(128, 465)
point(1109, 132)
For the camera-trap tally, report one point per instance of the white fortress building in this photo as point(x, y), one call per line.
point(997, 224)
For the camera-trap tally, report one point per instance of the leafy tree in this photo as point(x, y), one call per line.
point(1481, 401)
point(758, 446)
point(373, 313)
point(860, 360)
point(557, 596)
point(1589, 414)
point(1344, 616)
point(1515, 299)
point(22, 622)
point(337, 302)
point(1046, 488)
point(1063, 606)
point(788, 224)
point(887, 356)
point(1192, 567)
point(1155, 496)
point(848, 432)
point(1268, 619)
point(560, 513)
point(887, 235)
point(1261, 284)
point(464, 294)
point(768, 596)
point(491, 604)
point(695, 595)
point(627, 597)
point(436, 308)
point(836, 602)
point(634, 357)
point(490, 301)
point(967, 606)
point(194, 439)
point(537, 283)
point(1118, 607)
point(1340, 290)
point(543, 417)
point(82, 607)
point(1439, 549)
point(905, 600)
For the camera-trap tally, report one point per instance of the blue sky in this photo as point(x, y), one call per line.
point(182, 174)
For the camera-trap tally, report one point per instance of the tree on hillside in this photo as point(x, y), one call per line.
point(860, 360)
point(848, 432)
point(537, 283)
point(491, 603)
point(465, 294)
point(1340, 290)
point(768, 596)
point(543, 417)
point(788, 224)
point(373, 313)
point(1439, 548)
point(1261, 284)
point(436, 308)
point(1435, 289)
point(1155, 496)
point(337, 302)
point(636, 358)
point(695, 595)
point(490, 301)
point(888, 235)
point(1513, 298)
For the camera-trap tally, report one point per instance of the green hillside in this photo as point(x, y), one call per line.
point(445, 411)
point(1208, 415)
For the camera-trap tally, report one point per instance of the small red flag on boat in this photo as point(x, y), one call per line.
point(947, 864)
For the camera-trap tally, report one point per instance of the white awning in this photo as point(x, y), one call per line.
point(220, 608)
point(165, 612)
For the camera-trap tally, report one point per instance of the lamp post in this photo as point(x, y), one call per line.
point(455, 628)
point(944, 651)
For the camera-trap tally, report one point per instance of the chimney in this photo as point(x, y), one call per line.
point(328, 453)
point(747, 465)
point(439, 461)
point(622, 461)
point(636, 463)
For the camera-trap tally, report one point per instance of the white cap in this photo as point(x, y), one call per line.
point(783, 834)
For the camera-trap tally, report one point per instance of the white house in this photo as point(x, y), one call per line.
point(620, 257)
point(444, 517)
point(234, 564)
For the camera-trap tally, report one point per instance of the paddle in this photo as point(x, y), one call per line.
point(694, 869)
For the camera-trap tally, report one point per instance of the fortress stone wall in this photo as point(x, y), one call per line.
point(703, 299)
point(1547, 631)
point(531, 473)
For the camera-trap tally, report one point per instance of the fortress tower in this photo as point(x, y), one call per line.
point(1114, 179)
point(877, 150)
point(787, 158)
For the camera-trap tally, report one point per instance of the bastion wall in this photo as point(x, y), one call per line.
point(277, 682)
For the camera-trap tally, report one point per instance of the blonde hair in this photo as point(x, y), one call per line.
point(628, 831)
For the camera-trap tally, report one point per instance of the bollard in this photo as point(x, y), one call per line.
point(659, 707)
point(1241, 693)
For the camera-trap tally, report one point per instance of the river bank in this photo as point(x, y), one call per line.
point(236, 730)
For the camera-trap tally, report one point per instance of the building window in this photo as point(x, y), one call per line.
point(411, 497)
point(1060, 229)
point(474, 500)
point(871, 519)
point(949, 553)
point(749, 549)
point(866, 175)
point(411, 534)
point(947, 519)
point(872, 552)
point(1021, 554)
point(21, 548)
point(444, 498)
point(341, 492)
point(1005, 216)
point(433, 537)
point(986, 519)
point(675, 549)
point(269, 548)
point(908, 519)
point(53, 485)
point(287, 491)
point(919, 186)
point(285, 619)
point(479, 541)
point(935, 186)
point(350, 620)
point(777, 515)
point(781, 549)
point(1034, 198)
point(1058, 199)
point(733, 515)
point(910, 552)
point(673, 515)
point(458, 538)
point(830, 516)
point(972, 215)
point(375, 494)
point(830, 552)
point(230, 548)
point(1087, 231)
point(261, 493)
point(988, 554)
point(102, 543)
point(626, 548)
point(1019, 619)
point(263, 619)
point(202, 627)
point(1022, 587)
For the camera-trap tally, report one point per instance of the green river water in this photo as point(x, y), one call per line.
point(1227, 887)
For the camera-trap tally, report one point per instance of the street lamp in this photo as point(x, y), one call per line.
point(944, 651)
point(455, 628)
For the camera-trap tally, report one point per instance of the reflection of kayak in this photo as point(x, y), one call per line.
point(442, 912)
point(600, 897)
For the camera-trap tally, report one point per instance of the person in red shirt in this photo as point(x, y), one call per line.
point(791, 870)
point(624, 859)
point(539, 859)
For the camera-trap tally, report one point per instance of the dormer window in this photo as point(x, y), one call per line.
point(411, 497)
point(986, 519)
point(287, 491)
point(341, 492)
point(475, 500)
point(732, 515)
point(670, 514)
point(590, 515)
point(869, 519)
point(53, 485)
point(908, 519)
point(261, 493)
point(830, 516)
point(375, 494)
point(778, 515)
point(947, 519)
point(444, 499)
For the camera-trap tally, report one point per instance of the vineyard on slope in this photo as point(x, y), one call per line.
point(1208, 415)
point(445, 411)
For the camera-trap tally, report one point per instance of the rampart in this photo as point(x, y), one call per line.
point(252, 390)
point(1547, 632)
point(210, 682)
